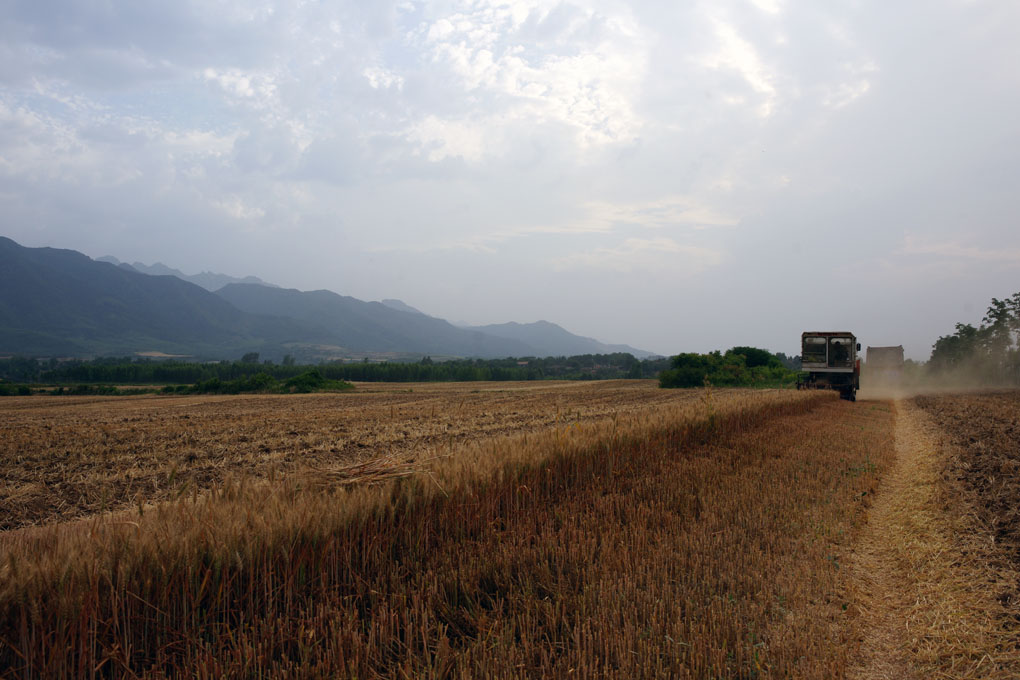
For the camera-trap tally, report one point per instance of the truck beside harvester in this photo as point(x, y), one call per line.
point(883, 366)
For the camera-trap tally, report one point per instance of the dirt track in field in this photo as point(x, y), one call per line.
point(934, 579)
point(884, 587)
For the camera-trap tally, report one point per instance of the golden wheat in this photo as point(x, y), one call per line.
point(63, 458)
point(694, 537)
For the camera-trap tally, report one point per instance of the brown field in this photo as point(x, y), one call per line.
point(979, 490)
point(516, 530)
point(69, 457)
point(720, 519)
point(985, 431)
point(935, 572)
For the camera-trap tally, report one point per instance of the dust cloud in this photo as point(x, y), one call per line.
point(918, 380)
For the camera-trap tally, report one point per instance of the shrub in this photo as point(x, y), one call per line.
point(739, 367)
point(309, 381)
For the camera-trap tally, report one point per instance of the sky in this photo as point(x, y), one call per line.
point(683, 176)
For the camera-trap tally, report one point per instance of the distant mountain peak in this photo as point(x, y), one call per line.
point(553, 340)
point(401, 306)
point(211, 281)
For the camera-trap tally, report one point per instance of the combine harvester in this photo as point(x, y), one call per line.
point(830, 359)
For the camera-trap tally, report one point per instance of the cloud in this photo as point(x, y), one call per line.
point(334, 160)
point(735, 53)
point(241, 84)
point(856, 85)
point(579, 69)
point(959, 252)
point(452, 146)
point(768, 6)
point(381, 78)
point(635, 254)
point(236, 208)
point(671, 211)
point(673, 214)
point(469, 140)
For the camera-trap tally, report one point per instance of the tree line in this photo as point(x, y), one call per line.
point(140, 371)
point(989, 352)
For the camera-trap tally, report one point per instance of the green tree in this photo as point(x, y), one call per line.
point(988, 352)
point(755, 357)
point(950, 351)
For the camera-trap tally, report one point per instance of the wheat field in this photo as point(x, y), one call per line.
point(588, 530)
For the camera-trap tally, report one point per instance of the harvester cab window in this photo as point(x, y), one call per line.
point(814, 350)
point(839, 352)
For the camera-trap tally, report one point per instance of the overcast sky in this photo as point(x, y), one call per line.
point(677, 176)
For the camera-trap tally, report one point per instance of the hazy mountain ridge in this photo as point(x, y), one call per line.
point(402, 306)
point(62, 303)
point(211, 281)
point(555, 340)
point(360, 325)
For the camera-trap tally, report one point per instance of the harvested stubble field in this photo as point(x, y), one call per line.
point(63, 458)
point(985, 465)
point(935, 572)
point(979, 470)
point(620, 531)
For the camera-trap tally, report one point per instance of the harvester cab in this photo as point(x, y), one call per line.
point(830, 360)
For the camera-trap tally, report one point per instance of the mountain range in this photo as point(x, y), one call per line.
point(360, 325)
point(211, 281)
point(62, 303)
